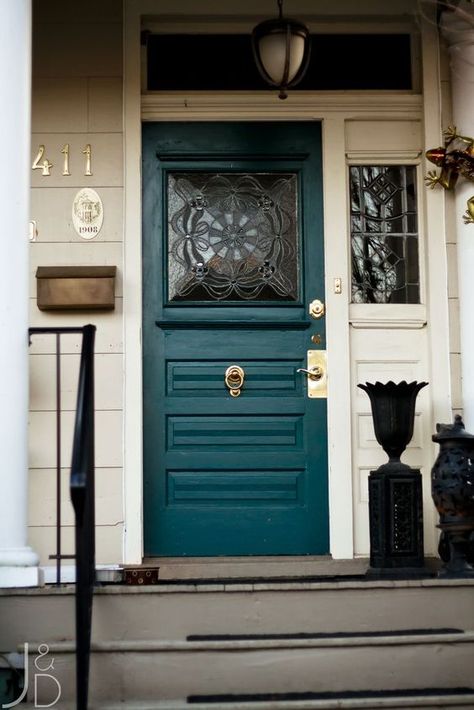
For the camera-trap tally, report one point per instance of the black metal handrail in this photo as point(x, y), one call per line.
point(59, 556)
point(83, 501)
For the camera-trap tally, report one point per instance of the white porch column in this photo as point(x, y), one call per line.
point(18, 563)
point(458, 29)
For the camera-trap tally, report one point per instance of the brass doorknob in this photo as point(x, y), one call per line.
point(234, 379)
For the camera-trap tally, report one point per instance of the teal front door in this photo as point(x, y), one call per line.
point(232, 256)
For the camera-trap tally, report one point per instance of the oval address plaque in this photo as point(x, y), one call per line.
point(87, 213)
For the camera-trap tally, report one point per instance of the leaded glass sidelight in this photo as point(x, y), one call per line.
point(384, 234)
point(232, 236)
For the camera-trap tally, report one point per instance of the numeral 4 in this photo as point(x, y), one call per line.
point(45, 166)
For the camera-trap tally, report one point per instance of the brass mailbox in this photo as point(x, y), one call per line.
point(75, 287)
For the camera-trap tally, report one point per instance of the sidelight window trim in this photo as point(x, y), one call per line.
point(391, 315)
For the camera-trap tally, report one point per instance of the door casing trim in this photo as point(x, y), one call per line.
point(333, 109)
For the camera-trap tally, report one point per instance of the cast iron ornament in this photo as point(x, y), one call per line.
point(393, 414)
point(452, 480)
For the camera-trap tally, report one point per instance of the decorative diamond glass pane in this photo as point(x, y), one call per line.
point(384, 234)
point(232, 237)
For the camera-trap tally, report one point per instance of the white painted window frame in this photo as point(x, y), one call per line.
point(406, 315)
point(332, 109)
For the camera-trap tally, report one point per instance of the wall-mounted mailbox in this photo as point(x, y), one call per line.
point(75, 287)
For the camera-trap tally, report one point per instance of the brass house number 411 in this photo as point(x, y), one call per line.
point(42, 163)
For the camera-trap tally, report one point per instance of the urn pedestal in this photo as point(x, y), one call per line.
point(395, 489)
point(452, 489)
point(396, 519)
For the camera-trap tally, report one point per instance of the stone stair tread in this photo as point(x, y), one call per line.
point(322, 635)
point(428, 702)
point(262, 642)
point(423, 698)
point(236, 585)
point(224, 699)
point(166, 650)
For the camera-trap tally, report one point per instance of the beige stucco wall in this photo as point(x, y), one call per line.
point(77, 99)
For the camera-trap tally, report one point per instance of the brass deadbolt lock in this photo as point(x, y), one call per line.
point(316, 309)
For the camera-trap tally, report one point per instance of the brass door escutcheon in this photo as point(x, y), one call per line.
point(316, 374)
point(234, 379)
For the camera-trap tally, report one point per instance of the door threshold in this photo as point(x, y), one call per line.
point(252, 568)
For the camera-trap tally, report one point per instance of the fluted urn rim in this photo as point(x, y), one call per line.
point(392, 388)
point(393, 415)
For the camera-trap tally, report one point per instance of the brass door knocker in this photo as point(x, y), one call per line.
point(234, 379)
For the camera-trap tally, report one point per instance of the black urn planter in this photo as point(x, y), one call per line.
point(395, 489)
point(452, 489)
point(393, 414)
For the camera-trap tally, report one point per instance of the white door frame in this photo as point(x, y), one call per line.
point(333, 109)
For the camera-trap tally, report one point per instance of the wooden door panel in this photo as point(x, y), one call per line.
point(205, 378)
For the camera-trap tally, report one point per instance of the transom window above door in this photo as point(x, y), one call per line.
point(224, 62)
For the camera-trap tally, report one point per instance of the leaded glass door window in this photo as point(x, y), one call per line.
point(232, 236)
point(384, 234)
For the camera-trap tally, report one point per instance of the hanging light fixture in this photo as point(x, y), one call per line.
point(281, 49)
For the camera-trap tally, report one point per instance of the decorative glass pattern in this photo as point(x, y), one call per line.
point(232, 237)
point(384, 234)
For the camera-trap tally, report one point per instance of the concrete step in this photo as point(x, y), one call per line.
point(261, 567)
point(444, 699)
point(148, 671)
point(174, 611)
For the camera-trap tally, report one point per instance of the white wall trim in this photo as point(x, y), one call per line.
point(392, 315)
point(401, 324)
point(132, 292)
point(434, 232)
point(337, 265)
point(262, 105)
point(388, 156)
point(243, 24)
point(435, 254)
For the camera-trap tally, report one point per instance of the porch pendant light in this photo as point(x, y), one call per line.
point(281, 49)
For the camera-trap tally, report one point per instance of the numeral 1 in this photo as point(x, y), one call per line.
point(87, 152)
point(65, 152)
point(45, 166)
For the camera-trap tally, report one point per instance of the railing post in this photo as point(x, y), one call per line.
point(83, 500)
point(58, 459)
